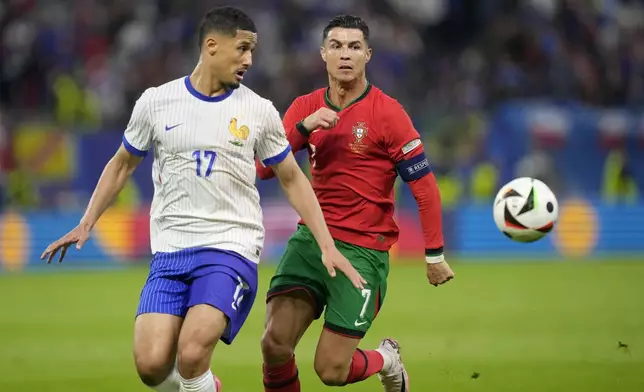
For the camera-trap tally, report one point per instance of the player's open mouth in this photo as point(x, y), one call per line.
point(346, 68)
point(240, 75)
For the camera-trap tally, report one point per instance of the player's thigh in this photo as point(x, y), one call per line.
point(351, 312)
point(159, 317)
point(155, 343)
point(301, 270)
point(216, 309)
point(288, 316)
point(221, 298)
point(203, 327)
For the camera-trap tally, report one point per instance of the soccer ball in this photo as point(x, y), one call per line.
point(525, 209)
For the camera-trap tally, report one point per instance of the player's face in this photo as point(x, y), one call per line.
point(346, 54)
point(230, 57)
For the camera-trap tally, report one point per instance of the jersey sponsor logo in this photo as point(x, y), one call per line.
point(239, 133)
point(411, 146)
point(169, 128)
point(360, 131)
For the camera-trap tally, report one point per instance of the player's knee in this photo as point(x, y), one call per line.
point(192, 357)
point(276, 348)
point(332, 373)
point(152, 370)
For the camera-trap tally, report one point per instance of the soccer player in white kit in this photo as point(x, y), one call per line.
point(206, 228)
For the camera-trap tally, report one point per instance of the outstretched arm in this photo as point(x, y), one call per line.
point(112, 181)
point(407, 151)
point(273, 150)
point(136, 142)
point(115, 175)
point(427, 195)
point(300, 194)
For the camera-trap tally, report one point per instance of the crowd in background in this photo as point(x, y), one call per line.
point(81, 64)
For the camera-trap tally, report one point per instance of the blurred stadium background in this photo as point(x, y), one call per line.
point(498, 89)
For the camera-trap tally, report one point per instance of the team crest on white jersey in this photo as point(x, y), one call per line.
point(240, 134)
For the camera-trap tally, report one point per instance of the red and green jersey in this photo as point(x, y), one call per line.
point(354, 164)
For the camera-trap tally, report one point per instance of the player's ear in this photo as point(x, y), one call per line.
point(323, 53)
point(210, 45)
point(368, 55)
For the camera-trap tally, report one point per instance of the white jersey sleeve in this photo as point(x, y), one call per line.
point(138, 134)
point(273, 146)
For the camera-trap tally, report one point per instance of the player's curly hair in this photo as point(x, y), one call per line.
point(225, 20)
point(347, 22)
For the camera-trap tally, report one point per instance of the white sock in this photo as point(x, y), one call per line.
point(388, 361)
point(203, 383)
point(171, 384)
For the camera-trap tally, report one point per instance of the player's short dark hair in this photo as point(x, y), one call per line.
point(225, 20)
point(347, 22)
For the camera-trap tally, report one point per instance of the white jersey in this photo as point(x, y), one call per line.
point(204, 165)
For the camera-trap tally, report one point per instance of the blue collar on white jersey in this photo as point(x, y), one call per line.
point(206, 98)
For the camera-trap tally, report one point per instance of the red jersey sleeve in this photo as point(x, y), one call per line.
point(406, 150)
point(295, 133)
point(401, 137)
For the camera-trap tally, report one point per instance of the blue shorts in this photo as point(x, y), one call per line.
point(183, 279)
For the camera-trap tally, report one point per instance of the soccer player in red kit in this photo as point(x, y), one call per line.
point(359, 140)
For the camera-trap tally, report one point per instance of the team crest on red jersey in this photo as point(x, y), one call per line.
point(360, 131)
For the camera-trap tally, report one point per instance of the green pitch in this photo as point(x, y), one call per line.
point(497, 327)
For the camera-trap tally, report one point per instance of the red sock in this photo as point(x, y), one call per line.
point(364, 365)
point(281, 378)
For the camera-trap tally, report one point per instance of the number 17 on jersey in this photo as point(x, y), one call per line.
point(209, 156)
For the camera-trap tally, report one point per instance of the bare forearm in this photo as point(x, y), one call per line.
point(301, 196)
point(112, 181)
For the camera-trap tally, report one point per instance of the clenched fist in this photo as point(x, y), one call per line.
point(324, 118)
point(439, 273)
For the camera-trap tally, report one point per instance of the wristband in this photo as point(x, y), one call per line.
point(434, 256)
point(434, 259)
point(302, 129)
